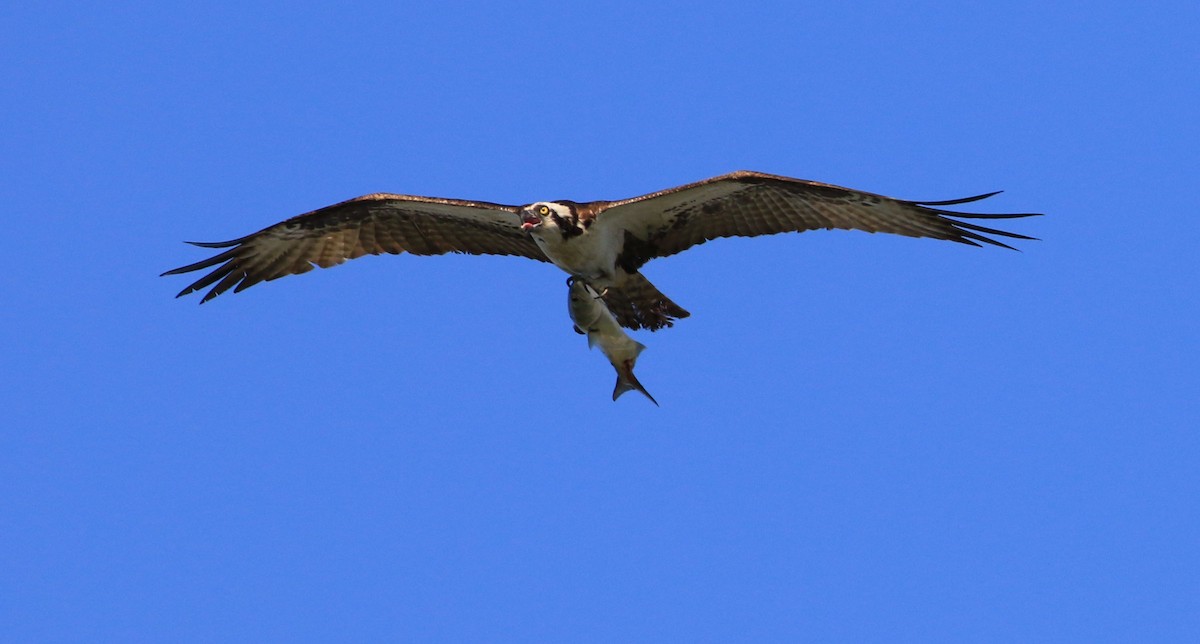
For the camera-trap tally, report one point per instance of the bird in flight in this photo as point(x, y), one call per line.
point(605, 243)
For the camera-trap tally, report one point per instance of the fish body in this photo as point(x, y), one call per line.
point(592, 317)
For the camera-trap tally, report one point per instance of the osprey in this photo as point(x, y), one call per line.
point(603, 242)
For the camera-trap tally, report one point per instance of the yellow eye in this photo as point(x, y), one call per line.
point(545, 210)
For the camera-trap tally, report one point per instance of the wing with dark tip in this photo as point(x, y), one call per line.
point(748, 204)
point(369, 225)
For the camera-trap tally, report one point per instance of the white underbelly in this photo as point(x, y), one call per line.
point(586, 256)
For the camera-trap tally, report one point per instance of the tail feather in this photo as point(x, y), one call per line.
point(637, 304)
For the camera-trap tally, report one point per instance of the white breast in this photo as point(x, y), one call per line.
point(590, 255)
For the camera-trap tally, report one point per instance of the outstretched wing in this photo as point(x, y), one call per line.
point(369, 225)
point(748, 204)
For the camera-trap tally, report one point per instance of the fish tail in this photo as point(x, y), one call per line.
point(626, 381)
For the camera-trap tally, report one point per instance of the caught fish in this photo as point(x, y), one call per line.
point(592, 317)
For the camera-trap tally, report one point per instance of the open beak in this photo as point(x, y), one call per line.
point(529, 220)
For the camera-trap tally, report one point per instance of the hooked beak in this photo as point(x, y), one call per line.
point(529, 220)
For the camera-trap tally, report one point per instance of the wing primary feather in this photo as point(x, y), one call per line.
point(203, 282)
point(232, 278)
point(222, 244)
point(975, 215)
point(965, 237)
point(993, 231)
point(955, 202)
point(204, 263)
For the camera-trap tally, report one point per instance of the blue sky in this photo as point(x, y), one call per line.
point(861, 437)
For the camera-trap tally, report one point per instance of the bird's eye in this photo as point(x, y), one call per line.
point(545, 210)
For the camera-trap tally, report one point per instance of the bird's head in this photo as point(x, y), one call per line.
point(543, 213)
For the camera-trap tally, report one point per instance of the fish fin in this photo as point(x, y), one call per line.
point(639, 348)
point(626, 381)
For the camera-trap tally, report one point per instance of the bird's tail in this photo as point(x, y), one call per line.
point(626, 381)
point(637, 304)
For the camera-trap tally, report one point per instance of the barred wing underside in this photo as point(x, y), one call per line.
point(369, 225)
